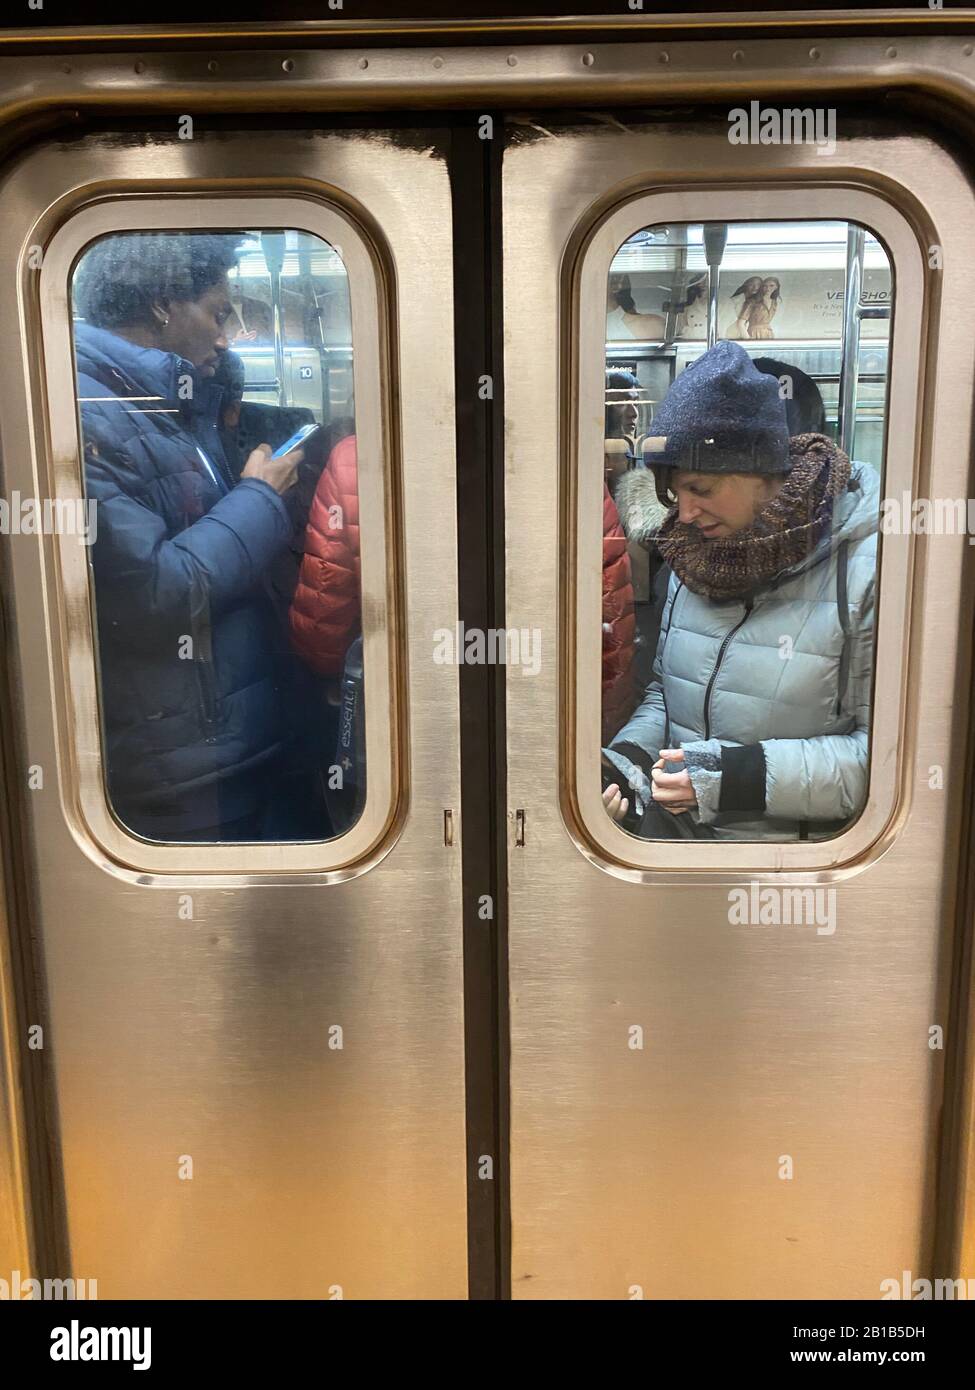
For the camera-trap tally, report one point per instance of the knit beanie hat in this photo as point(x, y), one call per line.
point(721, 415)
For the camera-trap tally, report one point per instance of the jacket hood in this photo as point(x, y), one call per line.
point(856, 515)
point(127, 369)
point(858, 512)
point(640, 510)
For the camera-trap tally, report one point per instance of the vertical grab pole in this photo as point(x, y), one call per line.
point(273, 246)
point(715, 240)
point(846, 407)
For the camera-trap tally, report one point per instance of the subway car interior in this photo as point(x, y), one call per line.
point(568, 420)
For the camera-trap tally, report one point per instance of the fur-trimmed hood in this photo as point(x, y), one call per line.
point(640, 509)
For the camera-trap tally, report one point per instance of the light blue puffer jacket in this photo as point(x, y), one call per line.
point(772, 694)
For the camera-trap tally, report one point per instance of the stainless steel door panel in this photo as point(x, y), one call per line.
point(656, 1172)
point(317, 1172)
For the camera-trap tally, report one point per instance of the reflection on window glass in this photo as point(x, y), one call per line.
point(214, 385)
point(739, 537)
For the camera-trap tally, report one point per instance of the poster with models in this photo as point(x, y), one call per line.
point(761, 307)
point(765, 294)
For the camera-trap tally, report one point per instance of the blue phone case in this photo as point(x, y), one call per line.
point(299, 437)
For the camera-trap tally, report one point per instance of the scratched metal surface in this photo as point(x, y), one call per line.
point(313, 1168)
point(658, 1169)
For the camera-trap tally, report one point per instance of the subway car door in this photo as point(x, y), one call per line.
point(243, 1029)
point(727, 1054)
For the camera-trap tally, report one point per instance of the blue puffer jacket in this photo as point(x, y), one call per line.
point(770, 697)
point(180, 554)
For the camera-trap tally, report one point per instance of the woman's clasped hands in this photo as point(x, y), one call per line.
point(672, 790)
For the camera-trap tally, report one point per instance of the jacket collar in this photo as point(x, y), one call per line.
point(127, 369)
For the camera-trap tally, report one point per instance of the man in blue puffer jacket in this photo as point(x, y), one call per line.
point(193, 725)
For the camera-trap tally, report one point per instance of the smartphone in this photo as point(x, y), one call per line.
point(301, 436)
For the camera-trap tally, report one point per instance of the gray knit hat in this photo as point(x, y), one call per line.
point(721, 415)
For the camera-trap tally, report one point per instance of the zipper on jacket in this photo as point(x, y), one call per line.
point(670, 615)
point(220, 465)
point(717, 666)
point(670, 620)
point(208, 696)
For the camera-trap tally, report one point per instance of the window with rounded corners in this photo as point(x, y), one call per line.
point(727, 546)
point(227, 589)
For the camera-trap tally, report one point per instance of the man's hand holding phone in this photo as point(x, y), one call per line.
point(281, 473)
point(280, 468)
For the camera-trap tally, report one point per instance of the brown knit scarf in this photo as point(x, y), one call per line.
point(784, 532)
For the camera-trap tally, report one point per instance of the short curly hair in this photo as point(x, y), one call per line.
point(119, 278)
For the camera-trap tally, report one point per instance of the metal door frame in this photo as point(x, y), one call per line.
point(49, 77)
point(586, 265)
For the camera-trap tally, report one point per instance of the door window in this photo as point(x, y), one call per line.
point(214, 385)
point(741, 515)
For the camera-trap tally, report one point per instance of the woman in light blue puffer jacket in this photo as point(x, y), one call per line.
point(763, 673)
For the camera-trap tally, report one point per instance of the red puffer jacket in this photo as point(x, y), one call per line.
point(326, 610)
point(619, 623)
